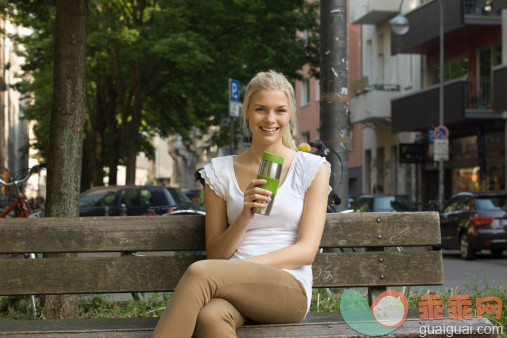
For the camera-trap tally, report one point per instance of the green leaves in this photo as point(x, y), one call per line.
point(163, 65)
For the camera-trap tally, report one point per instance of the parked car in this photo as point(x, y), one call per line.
point(383, 203)
point(473, 221)
point(137, 200)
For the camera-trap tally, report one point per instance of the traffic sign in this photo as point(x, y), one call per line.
point(235, 108)
point(441, 133)
point(233, 90)
point(441, 150)
point(431, 135)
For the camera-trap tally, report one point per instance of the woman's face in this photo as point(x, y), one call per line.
point(269, 115)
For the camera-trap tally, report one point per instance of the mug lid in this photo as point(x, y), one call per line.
point(269, 157)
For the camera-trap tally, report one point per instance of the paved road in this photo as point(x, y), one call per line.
point(484, 271)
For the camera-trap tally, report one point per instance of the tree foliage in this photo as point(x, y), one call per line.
point(161, 66)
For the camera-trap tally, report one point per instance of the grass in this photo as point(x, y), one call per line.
point(323, 300)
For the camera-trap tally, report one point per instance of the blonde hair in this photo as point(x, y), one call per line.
point(272, 80)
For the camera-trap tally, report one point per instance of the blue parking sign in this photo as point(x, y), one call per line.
point(233, 90)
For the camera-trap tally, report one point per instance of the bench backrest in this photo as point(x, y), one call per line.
point(373, 231)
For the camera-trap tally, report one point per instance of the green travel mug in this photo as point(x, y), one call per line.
point(270, 169)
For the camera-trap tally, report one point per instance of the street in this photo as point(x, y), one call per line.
point(484, 271)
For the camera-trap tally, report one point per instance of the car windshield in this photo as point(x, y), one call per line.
point(491, 203)
point(393, 203)
point(178, 196)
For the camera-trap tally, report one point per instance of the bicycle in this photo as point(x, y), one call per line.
point(21, 208)
point(20, 205)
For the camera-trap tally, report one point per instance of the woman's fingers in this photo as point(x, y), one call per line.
point(256, 182)
point(254, 194)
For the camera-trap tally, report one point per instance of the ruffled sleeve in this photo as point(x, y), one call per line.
point(213, 175)
point(307, 168)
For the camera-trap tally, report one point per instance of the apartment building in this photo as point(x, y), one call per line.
point(383, 78)
point(475, 87)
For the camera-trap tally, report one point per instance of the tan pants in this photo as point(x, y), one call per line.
point(214, 297)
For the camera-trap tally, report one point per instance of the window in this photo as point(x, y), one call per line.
point(178, 196)
point(317, 90)
point(306, 136)
point(135, 197)
point(454, 68)
point(380, 60)
point(305, 92)
point(98, 198)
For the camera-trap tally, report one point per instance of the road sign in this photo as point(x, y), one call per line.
point(235, 108)
point(233, 90)
point(411, 153)
point(441, 150)
point(441, 132)
point(431, 135)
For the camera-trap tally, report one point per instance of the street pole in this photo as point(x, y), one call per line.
point(441, 105)
point(231, 121)
point(333, 93)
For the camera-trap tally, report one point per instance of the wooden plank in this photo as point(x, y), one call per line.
point(92, 274)
point(315, 325)
point(153, 274)
point(102, 234)
point(378, 269)
point(381, 229)
point(410, 328)
point(173, 233)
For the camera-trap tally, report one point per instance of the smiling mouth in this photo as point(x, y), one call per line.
point(269, 130)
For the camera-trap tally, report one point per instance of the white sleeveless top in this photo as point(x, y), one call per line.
point(280, 229)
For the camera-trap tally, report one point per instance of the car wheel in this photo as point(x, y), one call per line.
point(496, 252)
point(464, 247)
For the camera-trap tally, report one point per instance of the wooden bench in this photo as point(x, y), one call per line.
point(373, 268)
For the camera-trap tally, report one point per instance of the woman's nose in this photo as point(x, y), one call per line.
point(270, 116)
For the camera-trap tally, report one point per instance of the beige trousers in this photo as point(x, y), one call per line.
point(214, 297)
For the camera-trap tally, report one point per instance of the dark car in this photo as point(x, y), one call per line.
point(135, 199)
point(475, 221)
point(383, 203)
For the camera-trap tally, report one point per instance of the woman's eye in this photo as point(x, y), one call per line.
point(281, 111)
point(259, 109)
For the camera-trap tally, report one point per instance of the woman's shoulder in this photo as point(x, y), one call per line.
point(310, 159)
point(307, 166)
point(216, 174)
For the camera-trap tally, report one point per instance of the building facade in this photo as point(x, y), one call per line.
point(475, 87)
point(383, 78)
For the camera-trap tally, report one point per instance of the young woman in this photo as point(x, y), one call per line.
point(258, 267)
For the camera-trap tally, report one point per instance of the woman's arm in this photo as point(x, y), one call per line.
point(222, 241)
point(310, 232)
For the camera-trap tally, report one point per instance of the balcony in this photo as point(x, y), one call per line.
point(371, 12)
point(373, 104)
point(464, 20)
point(500, 88)
point(464, 98)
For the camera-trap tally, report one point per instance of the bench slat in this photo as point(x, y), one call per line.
point(155, 273)
point(394, 229)
point(366, 269)
point(315, 325)
point(161, 233)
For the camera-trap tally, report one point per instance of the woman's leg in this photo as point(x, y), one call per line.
point(260, 292)
point(218, 318)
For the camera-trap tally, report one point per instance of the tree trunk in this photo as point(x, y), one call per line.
point(66, 133)
point(134, 126)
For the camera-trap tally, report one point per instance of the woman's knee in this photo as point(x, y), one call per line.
point(197, 269)
point(210, 320)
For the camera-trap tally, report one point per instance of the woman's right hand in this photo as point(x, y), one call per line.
point(253, 194)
